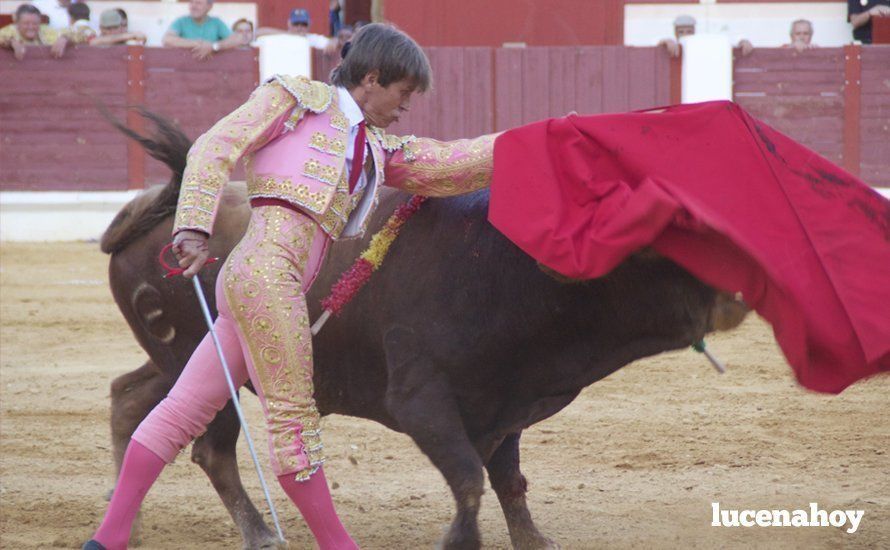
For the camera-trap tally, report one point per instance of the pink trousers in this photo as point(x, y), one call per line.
point(263, 327)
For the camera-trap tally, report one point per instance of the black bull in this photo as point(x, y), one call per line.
point(460, 340)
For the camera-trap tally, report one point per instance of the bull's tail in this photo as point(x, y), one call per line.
point(167, 144)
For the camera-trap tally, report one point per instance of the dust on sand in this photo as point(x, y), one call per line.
point(634, 462)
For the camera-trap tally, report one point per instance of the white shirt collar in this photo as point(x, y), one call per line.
point(349, 107)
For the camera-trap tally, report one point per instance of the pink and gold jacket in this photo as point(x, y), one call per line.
point(293, 139)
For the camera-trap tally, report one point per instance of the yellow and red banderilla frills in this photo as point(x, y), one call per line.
point(354, 278)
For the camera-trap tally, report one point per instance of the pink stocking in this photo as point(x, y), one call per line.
point(140, 469)
point(314, 501)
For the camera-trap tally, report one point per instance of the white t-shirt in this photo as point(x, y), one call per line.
point(318, 41)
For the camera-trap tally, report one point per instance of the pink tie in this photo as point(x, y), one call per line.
point(358, 157)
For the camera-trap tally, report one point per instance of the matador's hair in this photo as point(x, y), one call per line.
point(385, 49)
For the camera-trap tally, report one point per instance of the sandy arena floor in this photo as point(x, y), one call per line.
point(635, 462)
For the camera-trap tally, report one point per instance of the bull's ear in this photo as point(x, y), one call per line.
point(557, 276)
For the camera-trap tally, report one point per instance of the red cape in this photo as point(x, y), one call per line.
point(739, 205)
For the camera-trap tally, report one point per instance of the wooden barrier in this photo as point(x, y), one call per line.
point(482, 90)
point(799, 94)
point(51, 136)
point(874, 148)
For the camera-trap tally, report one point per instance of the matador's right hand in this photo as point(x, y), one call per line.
point(192, 251)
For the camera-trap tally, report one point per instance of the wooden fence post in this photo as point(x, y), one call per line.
point(852, 107)
point(676, 80)
point(135, 96)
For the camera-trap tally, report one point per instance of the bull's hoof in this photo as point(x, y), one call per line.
point(92, 545)
point(458, 539)
point(271, 543)
point(537, 543)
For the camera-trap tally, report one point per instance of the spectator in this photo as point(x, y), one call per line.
point(112, 30)
point(860, 14)
point(200, 32)
point(298, 24)
point(801, 35)
point(684, 25)
point(80, 31)
point(244, 29)
point(335, 17)
point(27, 30)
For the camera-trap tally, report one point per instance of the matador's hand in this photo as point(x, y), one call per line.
point(192, 251)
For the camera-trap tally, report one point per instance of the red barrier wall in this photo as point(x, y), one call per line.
point(481, 90)
point(834, 100)
point(53, 137)
point(799, 94)
point(493, 22)
point(875, 116)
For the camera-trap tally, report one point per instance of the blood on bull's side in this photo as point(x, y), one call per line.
point(460, 340)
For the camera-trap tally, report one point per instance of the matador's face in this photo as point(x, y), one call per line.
point(385, 104)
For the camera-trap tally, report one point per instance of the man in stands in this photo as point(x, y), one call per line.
point(200, 32)
point(684, 25)
point(801, 35)
point(111, 27)
point(27, 30)
point(861, 13)
point(298, 24)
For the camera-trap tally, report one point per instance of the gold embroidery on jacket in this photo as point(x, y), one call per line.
point(340, 122)
point(310, 94)
point(321, 172)
point(332, 146)
point(391, 143)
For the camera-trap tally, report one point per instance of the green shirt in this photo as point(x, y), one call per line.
point(211, 30)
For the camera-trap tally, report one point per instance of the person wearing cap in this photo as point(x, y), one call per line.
point(298, 25)
point(200, 32)
point(684, 25)
point(27, 30)
point(316, 156)
point(112, 30)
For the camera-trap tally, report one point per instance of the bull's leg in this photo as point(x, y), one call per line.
point(510, 486)
point(133, 396)
point(214, 451)
point(419, 397)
